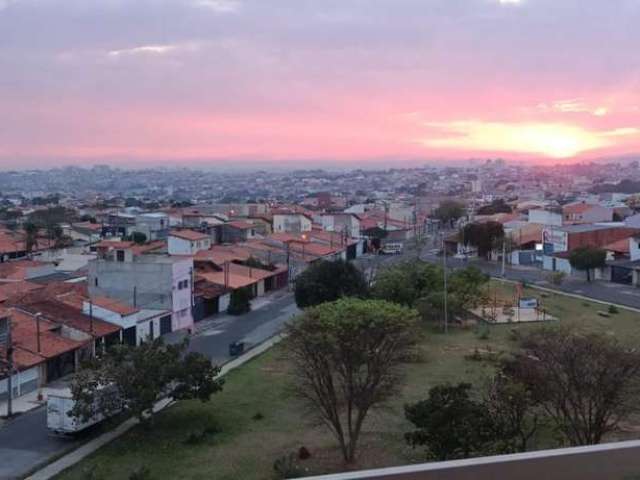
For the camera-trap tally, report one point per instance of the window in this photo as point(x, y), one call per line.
point(120, 255)
point(95, 281)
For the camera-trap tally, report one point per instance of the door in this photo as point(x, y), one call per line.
point(165, 325)
point(129, 336)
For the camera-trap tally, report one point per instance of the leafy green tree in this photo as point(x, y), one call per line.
point(586, 383)
point(138, 237)
point(134, 379)
point(497, 206)
point(450, 424)
point(484, 236)
point(588, 258)
point(254, 262)
point(240, 302)
point(407, 282)
point(88, 218)
point(347, 356)
point(328, 281)
point(31, 236)
point(449, 211)
point(467, 285)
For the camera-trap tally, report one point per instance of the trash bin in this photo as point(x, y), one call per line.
point(236, 348)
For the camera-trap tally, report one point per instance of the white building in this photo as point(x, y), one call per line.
point(188, 242)
point(291, 222)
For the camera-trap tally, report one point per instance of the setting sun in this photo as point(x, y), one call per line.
point(551, 140)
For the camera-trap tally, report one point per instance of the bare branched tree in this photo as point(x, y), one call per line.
point(586, 383)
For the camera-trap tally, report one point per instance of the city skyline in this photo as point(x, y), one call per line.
point(226, 82)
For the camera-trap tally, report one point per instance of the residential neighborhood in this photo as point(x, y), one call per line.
point(337, 240)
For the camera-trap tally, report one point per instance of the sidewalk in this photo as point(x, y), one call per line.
point(88, 448)
point(29, 401)
point(223, 317)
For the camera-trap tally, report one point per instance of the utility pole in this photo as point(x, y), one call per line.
point(444, 261)
point(38, 315)
point(288, 265)
point(10, 368)
point(504, 256)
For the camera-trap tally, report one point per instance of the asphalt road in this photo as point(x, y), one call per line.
point(25, 442)
point(214, 337)
point(608, 292)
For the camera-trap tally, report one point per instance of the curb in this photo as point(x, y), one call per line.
point(71, 458)
point(568, 294)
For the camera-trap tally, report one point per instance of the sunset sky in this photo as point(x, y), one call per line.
point(222, 82)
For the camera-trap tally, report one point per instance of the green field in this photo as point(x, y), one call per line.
point(241, 446)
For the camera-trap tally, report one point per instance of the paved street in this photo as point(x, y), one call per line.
point(603, 291)
point(252, 328)
point(25, 442)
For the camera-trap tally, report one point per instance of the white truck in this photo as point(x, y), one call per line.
point(59, 418)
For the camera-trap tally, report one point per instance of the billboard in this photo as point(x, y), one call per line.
point(554, 241)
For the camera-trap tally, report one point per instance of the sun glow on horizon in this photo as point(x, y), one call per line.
point(554, 140)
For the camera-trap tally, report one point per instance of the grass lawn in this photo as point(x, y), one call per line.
point(243, 447)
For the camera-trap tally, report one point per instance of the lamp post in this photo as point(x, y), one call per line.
point(444, 262)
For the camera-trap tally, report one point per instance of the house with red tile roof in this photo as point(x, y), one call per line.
point(584, 213)
point(43, 350)
point(187, 242)
point(237, 231)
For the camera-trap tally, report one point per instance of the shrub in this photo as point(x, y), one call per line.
point(240, 302)
point(91, 473)
point(212, 429)
point(613, 309)
point(483, 331)
point(556, 278)
point(195, 438)
point(141, 473)
point(304, 453)
point(287, 467)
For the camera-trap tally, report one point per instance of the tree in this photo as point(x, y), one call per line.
point(513, 414)
point(407, 282)
point(327, 281)
point(484, 236)
point(138, 237)
point(497, 206)
point(240, 302)
point(346, 357)
point(134, 379)
point(31, 236)
point(450, 424)
point(587, 258)
point(586, 383)
point(465, 291)
point(468, 287)
point(449, 211)
point(254, 262)
point(88, 218)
